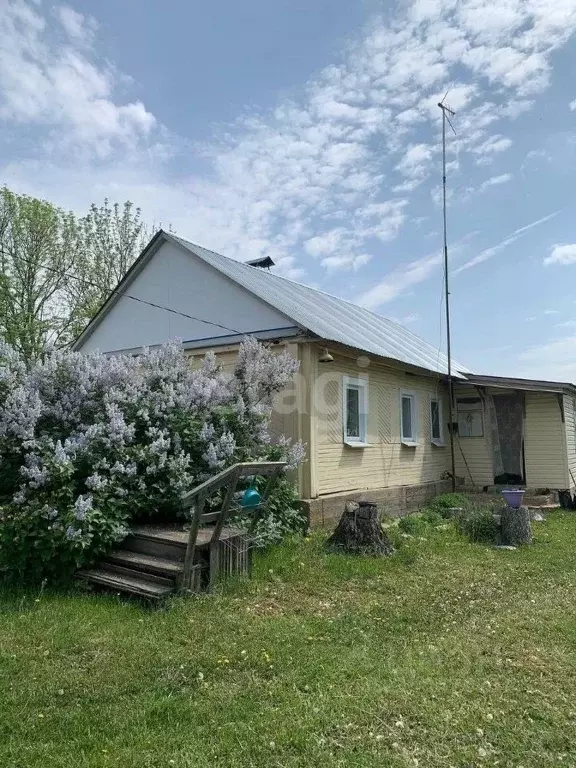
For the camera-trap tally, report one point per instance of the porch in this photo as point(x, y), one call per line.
point(155, 561)
point(515, 432)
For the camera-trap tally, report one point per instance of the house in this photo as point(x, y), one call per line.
point(370, 400)
point(516, 431)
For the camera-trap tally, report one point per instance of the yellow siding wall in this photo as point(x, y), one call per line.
point(544, 442)
point(570, 426)
point(386, 462)
point(474, 463)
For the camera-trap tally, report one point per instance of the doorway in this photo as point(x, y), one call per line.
point(508, 439)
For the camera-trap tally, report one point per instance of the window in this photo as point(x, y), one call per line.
point(436, 425)
point(470, 417)
point(355, 411)
point(408, 419)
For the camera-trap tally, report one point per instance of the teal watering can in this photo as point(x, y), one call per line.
point(250, 498)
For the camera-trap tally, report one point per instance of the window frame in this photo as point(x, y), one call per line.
point(360, 384)
point(478, 405)
point(438, 441)
point(410, 442)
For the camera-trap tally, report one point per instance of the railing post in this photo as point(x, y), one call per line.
point(191, 546)
point(225, 506)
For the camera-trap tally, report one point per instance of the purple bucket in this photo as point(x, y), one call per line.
point(513, 497)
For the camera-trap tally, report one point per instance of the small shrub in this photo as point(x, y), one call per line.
point(432, 518)
point(414, 525)
point(477, 523)
point(282, 515)
point(446, 501)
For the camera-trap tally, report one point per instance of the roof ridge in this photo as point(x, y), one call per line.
point(301, 285)
point(328, 316)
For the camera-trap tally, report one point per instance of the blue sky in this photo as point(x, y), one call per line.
point(308, 130)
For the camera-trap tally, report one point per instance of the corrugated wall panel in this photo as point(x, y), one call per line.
point(545, 442)
point(570, 426)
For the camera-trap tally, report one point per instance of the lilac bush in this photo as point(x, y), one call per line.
point(89, 443)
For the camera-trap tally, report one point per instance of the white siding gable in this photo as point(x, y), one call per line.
point(175, 278)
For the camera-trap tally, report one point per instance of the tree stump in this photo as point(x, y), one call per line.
point(515, 526)
point(360, 532)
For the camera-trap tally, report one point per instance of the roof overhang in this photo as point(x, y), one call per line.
point(366, 357)
point(230, 340)
point(505, 382)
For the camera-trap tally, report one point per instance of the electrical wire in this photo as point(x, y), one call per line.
point(115, 291)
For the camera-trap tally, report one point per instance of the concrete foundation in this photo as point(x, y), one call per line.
point(325, 511)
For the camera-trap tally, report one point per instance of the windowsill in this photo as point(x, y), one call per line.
point(356, 444)
point(409, 443)
point(438, 443)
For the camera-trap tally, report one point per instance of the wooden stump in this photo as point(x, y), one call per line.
point(360, 532)
point(515, 526)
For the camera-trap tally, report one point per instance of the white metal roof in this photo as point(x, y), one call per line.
point(329, 317)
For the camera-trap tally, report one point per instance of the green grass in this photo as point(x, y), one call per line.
point(447, 654)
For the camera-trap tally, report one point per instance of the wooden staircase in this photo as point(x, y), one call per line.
point(156, 561)
point(149, 564)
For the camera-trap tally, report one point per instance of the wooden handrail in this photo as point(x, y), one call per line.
point(197, 497)
point(242, 469)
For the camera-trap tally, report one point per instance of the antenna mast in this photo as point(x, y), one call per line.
point(447, 113)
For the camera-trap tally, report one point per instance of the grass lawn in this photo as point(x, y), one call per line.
point(447, 654)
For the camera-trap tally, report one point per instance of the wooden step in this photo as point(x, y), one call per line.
point(133, 585)
point(170, 544)
point(133, 573)
point(167, 545)
point(147, 563)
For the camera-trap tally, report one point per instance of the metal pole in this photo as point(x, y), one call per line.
point(447, 297)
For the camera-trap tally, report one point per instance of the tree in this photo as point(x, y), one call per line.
point(39, 248)
point(112, 237)
point(58, 269)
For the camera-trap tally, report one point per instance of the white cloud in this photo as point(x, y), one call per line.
point(468, 192)
point(408, 319)
point(549, 312)
point(326, 243)
point(77, 26)
point(562, 254)
point(494, 181)
point(488, 253)
point(415, 163)
point(334, 263)
point(325, 161)
point(58, 86)
point(554, 361)
point(491, 146)
point(399, 280)
point(572, 105)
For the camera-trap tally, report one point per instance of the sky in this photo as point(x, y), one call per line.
point(309, 131)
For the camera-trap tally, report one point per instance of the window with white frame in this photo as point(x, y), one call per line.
point(436, 425)
point(408, 418)
point(470, 417)
point(354, 410)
